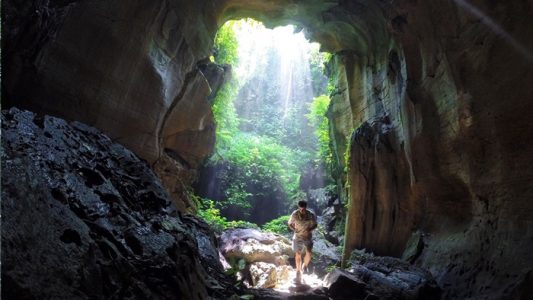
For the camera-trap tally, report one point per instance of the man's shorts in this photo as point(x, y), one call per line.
point(299, 244)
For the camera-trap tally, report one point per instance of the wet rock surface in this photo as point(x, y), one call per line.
point(83, 217)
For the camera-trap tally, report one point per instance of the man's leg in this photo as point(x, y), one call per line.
point(308, 255)
point(298, 259)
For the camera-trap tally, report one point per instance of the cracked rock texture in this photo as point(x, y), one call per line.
point(84, 218)
point(435, 96)
point(374, 277)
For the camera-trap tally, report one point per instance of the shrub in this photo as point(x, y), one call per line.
point(212, 216)
point(318, 119)
point(278, 225)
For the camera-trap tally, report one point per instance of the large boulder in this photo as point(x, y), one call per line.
point(253, 245)
point(84, 218)
point(325, 255)
point(264, 255)
point(373, 277)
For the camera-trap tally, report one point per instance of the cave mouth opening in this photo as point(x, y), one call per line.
point(272, 135)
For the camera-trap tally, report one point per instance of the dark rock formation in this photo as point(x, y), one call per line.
point(325, 256)
point(84, 218)
point(216, 75)
point(372, 277)
point(452, 85)
point(451, 76)
point(331, 213)
point(376, 217)
point(140, 84)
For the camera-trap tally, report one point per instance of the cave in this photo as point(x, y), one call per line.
point(106, 123)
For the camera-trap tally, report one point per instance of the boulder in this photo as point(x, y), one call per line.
point(344, 285)
point(325, 254)
point(373, 277)
point(414, 248)
point(264, 275)
point(252, 245)
point(83, 217)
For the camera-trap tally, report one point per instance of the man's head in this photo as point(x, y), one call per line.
point(302, 205)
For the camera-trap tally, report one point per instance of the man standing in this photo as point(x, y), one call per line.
point(302, 222)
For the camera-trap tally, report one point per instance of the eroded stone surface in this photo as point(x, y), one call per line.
point(253, 245)
point(452, 77)
point(373, 277)
point(83, 217)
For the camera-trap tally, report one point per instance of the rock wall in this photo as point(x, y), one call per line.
point(128, 68)
point(84, 218)
point(438, 126)
point(433, 95)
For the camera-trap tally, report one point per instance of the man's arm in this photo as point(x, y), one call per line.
point(313, 224)
point(291, 222)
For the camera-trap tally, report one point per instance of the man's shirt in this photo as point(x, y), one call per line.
point(303, 222)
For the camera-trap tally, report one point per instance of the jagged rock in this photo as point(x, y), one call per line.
point(325, 255)
point(332, 237)
point(83, 217)
point(371, 151)
point(451, 75)
point(216, 76)
point(253, 245)
point(381, 278)
point(318, 199)
point(344, 285)
point(263, 275)
point(414, 248)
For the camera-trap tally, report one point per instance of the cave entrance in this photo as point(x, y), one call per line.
point(272, 136)
point(272, 146)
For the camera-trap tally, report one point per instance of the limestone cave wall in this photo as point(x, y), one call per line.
point(430, 116)
point(126, 67)
point(437, 133)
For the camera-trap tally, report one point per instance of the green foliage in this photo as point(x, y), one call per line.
point(347, 155)
point(318, 119)
point(331, 70)
point(237, 265)
point(262, 145)
point(225, 48)
point(225, 114)
point(331, 267)
point(211, 215)
point(260, 162)
point(317, 65)
point(327, 57)
point(226, 45)
point(278, 225)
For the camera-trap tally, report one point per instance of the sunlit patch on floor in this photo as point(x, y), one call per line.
point(307, 282)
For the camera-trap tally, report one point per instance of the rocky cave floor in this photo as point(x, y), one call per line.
point(84, 218)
